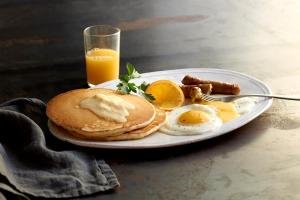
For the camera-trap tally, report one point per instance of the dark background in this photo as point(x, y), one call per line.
point(41, 43)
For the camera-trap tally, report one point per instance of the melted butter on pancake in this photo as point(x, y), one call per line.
point(108, 106)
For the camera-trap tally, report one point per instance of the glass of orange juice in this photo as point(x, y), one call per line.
point(102, 53)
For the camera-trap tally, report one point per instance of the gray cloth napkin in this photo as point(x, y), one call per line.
point(33, 162)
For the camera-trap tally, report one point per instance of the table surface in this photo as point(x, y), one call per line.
point(41, 55)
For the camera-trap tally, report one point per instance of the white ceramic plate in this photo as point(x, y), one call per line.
point(247, 83)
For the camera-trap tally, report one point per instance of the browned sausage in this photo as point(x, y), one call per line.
point(217, 87)
point(205, 89)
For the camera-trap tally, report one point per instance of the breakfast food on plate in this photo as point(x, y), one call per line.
point(226, 111)
point(167, 94)
point(112, 115)
point(204, 88)
point(194, 93)
point(204, 116)
point(217, 87)
point(98, 113)
point(157, 122)
point(191, 120)
point(199, 118)
point(244, 105)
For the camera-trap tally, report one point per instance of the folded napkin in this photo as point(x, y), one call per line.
point(33, 162)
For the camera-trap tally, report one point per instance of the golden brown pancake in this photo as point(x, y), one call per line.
point(158, 121)
point(64, 110)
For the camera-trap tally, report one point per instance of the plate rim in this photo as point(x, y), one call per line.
point(93, 144)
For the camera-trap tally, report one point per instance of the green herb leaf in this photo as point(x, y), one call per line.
point(125, 87)
point(132, 73)
point(135, 74)
point(147, 96)
point(130, 68)
point(132, 87)
point(144, 86)
point(125, 78)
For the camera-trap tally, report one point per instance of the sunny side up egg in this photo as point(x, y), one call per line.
point(226, 111)
point(191, 120)
point(200, 118)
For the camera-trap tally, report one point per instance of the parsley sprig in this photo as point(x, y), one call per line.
point(125, 87)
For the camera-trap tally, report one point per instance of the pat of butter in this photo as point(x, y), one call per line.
point(108, 106)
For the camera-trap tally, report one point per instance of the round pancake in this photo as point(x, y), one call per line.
point(158, 121)
point(64, 111)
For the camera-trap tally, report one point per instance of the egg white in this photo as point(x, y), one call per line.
point(174, 127)
point(245, 105)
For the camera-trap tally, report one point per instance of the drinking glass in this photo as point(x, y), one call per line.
point(102, 53)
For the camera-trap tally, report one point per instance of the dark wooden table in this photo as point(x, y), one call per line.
point(41, 55)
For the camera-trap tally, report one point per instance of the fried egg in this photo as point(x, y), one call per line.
point(226, 111)
point(245, 105)
point(191, 120)
point(196, 119)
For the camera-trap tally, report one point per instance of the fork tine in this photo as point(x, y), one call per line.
point(207, 97)
point(211, 98)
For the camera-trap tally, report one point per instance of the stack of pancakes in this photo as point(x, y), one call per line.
point(64, 111)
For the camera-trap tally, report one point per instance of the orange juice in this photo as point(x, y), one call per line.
point(101, 65)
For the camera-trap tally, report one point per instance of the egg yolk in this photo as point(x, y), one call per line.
point(193, 117)
point(225, 110)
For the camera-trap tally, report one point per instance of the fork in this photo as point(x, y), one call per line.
point(227, 98)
